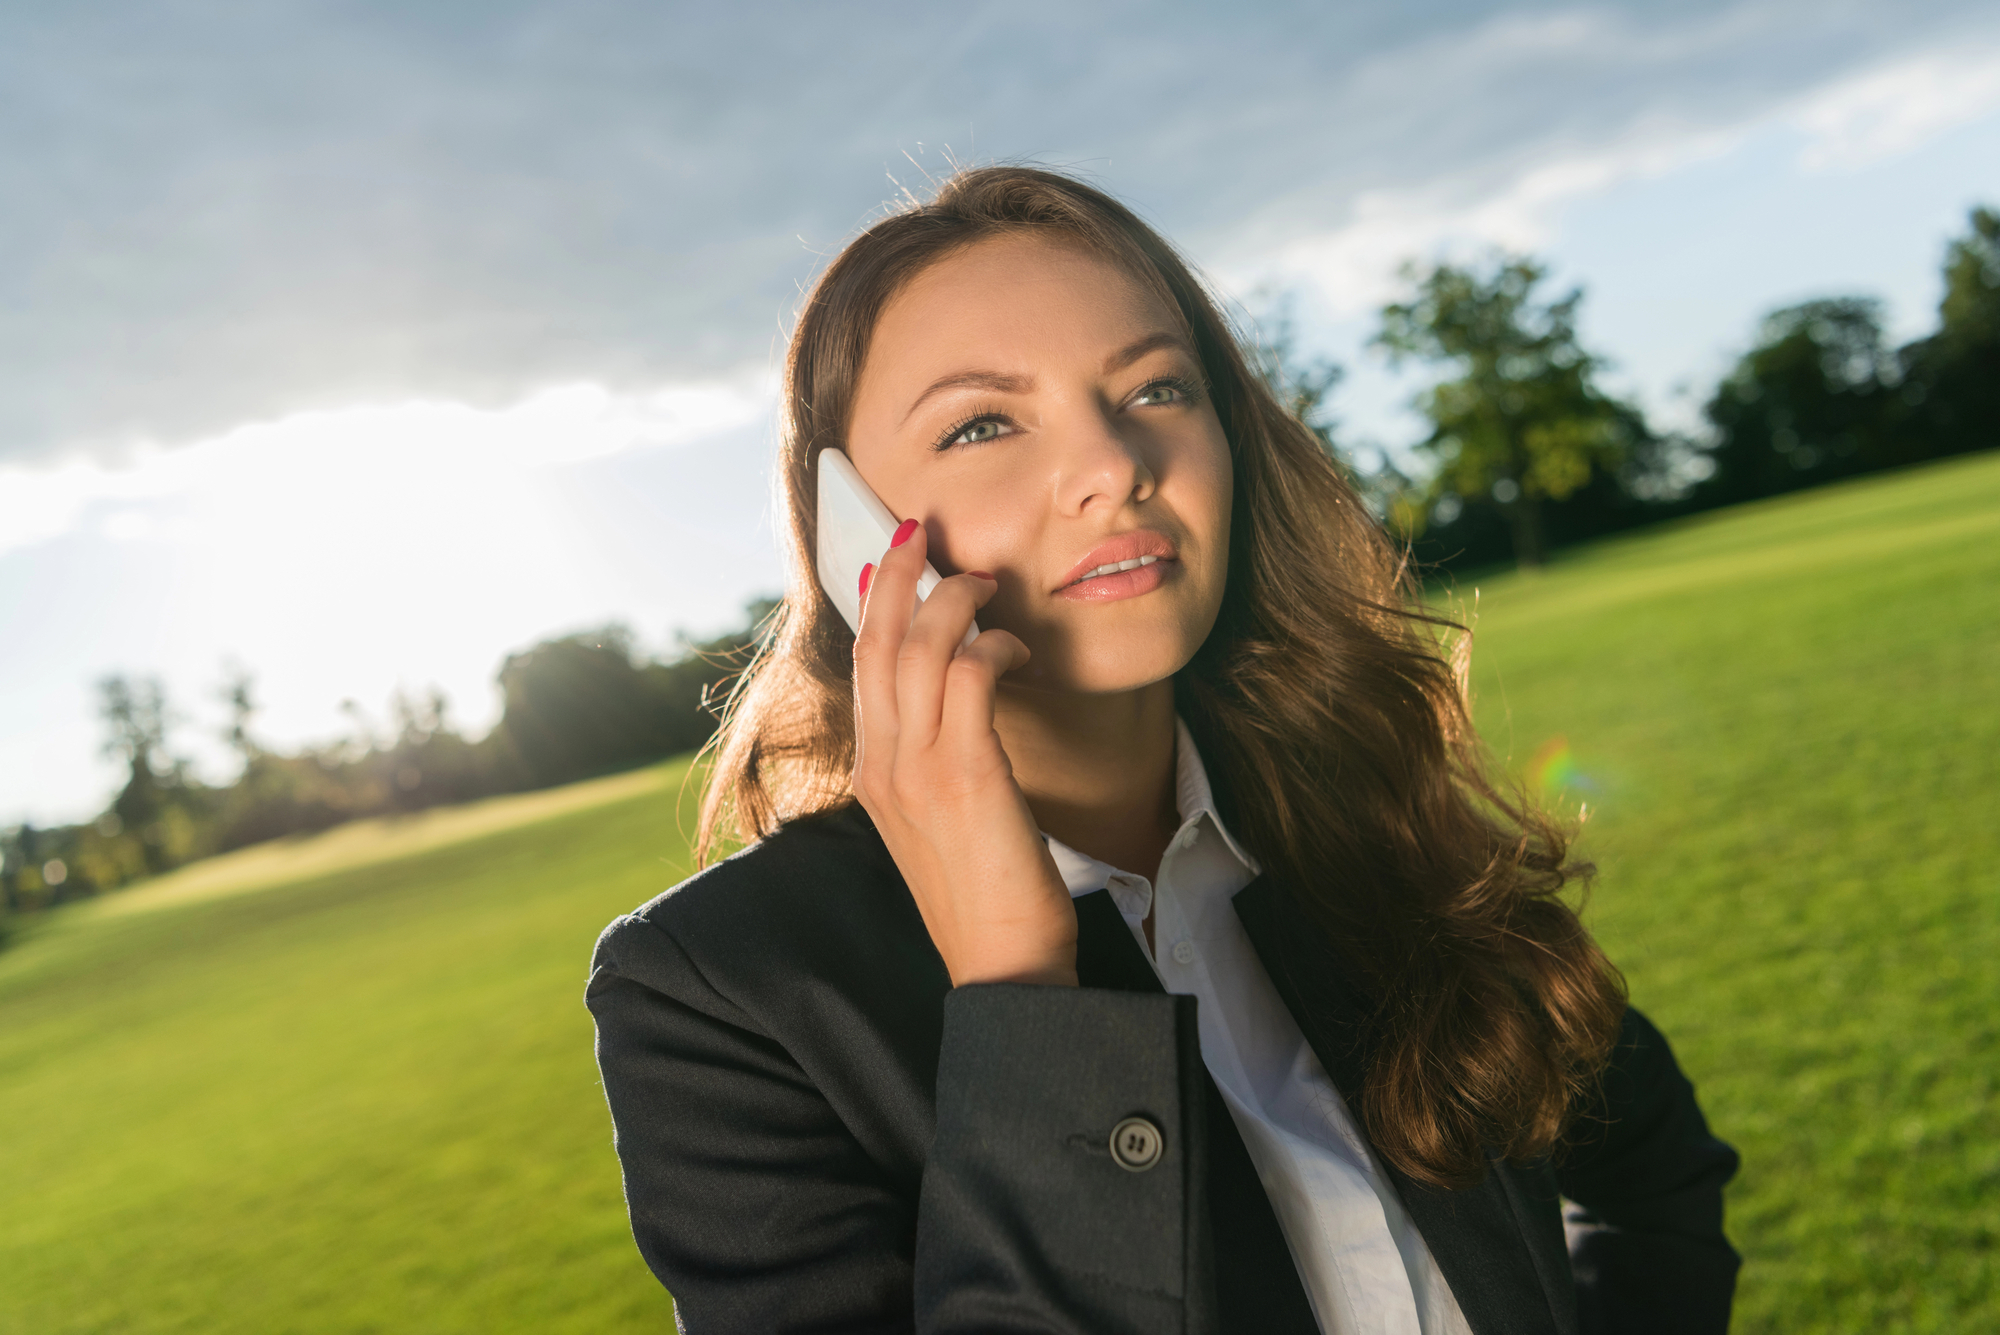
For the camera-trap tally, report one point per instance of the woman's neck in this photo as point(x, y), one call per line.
point(1097, 770)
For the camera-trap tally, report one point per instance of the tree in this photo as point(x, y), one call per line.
point(1524, 423)
point(238, 694)
point(697, 682)
point(17, 850)
point(1949, 400)
point(1820, 396)
point(584, 704)
point(136, 714)
point(1304, 385)
point(1804, 405)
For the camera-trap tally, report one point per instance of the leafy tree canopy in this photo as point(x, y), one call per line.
point(1805, 402)
point(1523, 422)
point(1970, 310)
point(1950, 397)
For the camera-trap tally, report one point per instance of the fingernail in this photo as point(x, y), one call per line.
point(903, 532)
point(981, 574)
point(867, 573)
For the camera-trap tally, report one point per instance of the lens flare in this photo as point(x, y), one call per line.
point(1553, 770)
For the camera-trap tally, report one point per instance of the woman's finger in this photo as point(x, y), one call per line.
point(935, 633)
point(886, 608)
point(965, 722)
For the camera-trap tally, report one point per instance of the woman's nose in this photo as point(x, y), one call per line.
point(1099, 466)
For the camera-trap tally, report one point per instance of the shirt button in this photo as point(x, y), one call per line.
point(1136, 1144)
point(1184, 952)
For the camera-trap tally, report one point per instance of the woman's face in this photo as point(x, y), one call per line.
point(1045, 418)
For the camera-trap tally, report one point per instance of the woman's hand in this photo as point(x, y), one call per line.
point(931, 773)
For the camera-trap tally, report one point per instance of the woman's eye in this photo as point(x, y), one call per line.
point(979, 432)
point(1164, 392)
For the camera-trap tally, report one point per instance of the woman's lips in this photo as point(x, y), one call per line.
point(1120, 584)
point(1123, 567)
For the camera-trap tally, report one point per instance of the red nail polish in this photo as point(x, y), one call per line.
point(981, 574)
point(903, 532)
point(867, 573)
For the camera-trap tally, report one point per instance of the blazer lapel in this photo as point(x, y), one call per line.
point(1490, 1248)
point(1106, 954)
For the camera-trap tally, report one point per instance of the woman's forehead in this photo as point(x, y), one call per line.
point(1020, 298)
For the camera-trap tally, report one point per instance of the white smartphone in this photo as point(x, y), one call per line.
point(854, 530)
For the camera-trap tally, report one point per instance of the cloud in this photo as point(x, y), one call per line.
point(1355, 267)
point(355, 474)
point(1886, 111)
point(1514, 198)
point(235, 213)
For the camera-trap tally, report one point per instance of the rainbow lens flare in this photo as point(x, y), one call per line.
point(1554, 770)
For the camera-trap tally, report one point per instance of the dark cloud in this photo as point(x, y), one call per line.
point(212, 212)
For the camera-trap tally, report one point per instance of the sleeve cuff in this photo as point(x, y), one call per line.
point(1026, 1209)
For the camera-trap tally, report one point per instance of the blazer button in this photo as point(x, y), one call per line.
point(1136, 1144)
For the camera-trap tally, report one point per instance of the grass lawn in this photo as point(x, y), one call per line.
point(359, 1101)
point(345, 1084)
point(1785, 723)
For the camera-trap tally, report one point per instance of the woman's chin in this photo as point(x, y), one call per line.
point(1098, 669)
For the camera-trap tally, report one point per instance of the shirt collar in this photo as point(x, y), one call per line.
point(1193, 795)
point(1194, 800)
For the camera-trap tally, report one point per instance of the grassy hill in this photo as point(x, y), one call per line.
point(1786, 722)
point(361, 1100)
point(345, 1085)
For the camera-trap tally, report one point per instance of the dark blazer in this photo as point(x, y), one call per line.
point(819, 1133)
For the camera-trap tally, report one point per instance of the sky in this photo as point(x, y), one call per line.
point(356, 345)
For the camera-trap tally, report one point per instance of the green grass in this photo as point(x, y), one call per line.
point(346, 1085)
point(362, 1101)
point(1787, 723)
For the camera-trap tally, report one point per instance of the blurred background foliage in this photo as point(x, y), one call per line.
point(1529, 453)
point(574, 706)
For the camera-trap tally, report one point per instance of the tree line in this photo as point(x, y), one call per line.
point(1526, 453)
point(573, 706)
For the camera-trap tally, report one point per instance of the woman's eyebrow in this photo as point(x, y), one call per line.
point(1138, 348)
point(1001, 383)
point(996, 381)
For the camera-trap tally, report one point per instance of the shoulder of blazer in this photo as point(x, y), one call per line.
point(820, 902)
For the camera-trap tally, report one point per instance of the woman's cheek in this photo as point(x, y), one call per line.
point(992, 537)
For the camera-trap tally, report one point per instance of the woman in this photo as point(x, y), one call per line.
point(1165, 960)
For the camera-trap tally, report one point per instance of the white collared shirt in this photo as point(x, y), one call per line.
point(1364, 1266)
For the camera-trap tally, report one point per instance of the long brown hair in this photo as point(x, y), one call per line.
point(1329, 707)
